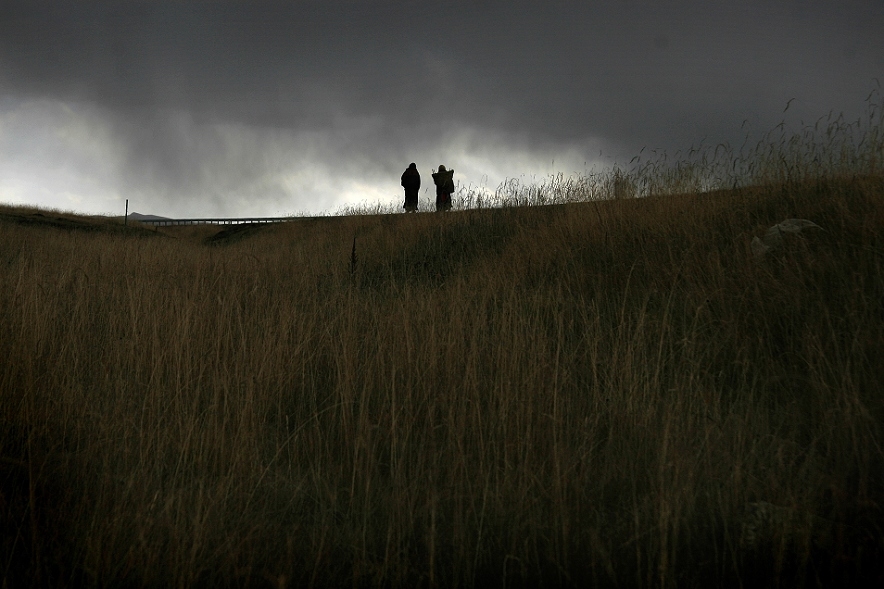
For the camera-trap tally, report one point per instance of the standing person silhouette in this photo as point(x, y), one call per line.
point(444, 180)
point(411, 182)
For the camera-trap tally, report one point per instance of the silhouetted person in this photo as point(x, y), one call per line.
point(444, 180)
point(411, 182)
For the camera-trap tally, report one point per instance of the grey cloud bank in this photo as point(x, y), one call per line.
point(264, 108)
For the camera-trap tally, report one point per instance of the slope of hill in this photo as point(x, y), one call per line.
point(32, 217)
point(607, 393)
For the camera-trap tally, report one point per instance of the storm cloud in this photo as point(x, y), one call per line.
point(209, 108)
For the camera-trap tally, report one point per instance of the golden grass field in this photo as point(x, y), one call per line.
point(595, 392)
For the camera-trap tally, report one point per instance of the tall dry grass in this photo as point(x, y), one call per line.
point(608, 392)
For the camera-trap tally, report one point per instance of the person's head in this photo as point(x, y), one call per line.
point(441, 168)
point(412, 166)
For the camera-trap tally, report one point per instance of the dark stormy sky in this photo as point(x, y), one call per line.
point(236, 108)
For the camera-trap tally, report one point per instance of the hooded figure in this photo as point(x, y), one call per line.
point(444, 180)
point(411, 182)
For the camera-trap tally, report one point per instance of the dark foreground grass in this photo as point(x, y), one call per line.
point(616, 393)
point(606, 393)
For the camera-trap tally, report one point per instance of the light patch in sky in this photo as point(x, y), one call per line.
point(57, 155)
point(72, 156)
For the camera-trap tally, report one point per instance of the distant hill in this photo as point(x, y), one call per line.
point(140, 217)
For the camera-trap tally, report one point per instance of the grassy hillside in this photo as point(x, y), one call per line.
point(614, 392)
